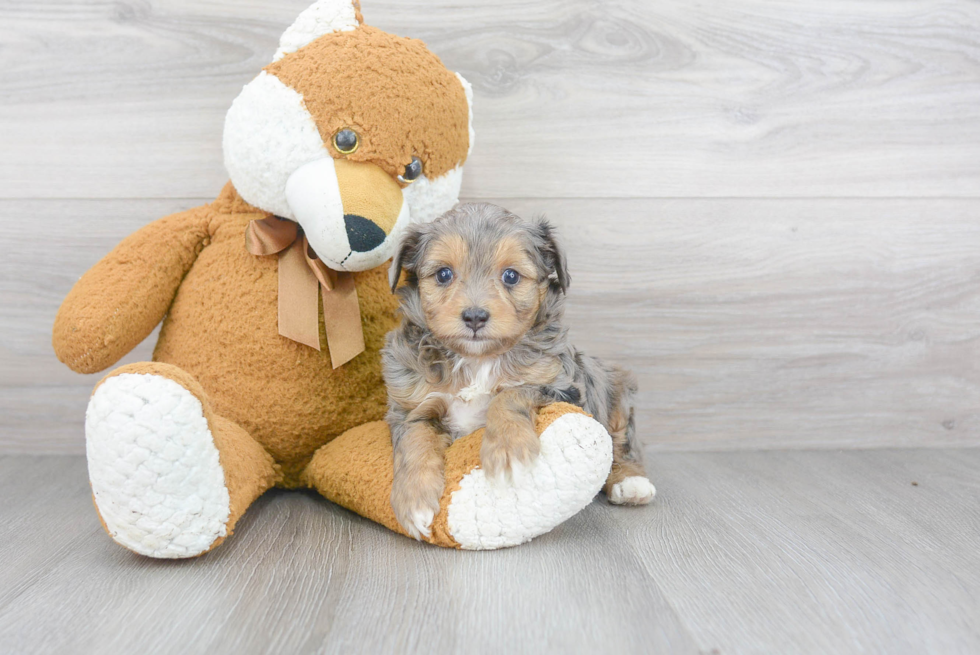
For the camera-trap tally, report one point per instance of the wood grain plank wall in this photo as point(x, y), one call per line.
point(750, 323)
point(771, 209)
point(575, 98)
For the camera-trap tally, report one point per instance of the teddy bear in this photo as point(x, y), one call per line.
point(275, 300)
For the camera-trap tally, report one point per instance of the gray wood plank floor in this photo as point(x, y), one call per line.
point(743, 552)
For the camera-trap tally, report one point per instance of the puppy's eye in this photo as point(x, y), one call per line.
point(510, 277)
point(412, 171)
point(346, 141)
point(444, 275)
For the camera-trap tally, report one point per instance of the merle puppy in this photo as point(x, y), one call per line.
point(482, 343)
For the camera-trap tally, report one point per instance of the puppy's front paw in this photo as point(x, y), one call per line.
point(415, 499)
point(508, 447)
point(634, 490)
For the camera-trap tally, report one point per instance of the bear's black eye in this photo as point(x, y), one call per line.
point(510, 277)
point(444, 275)
point(412, 171)
point(346, 141)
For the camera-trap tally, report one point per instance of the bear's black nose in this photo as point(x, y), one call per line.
point(362, 234)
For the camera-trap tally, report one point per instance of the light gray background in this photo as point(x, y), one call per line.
point(771, 208)
point(772, 212)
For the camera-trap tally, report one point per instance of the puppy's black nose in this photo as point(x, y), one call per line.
point(475, 317)
point(363, 235)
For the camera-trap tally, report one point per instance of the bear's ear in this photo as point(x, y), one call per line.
point(322, 17)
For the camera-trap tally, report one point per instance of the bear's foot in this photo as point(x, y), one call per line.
point(576, 453)
point(156, 475)
point(475, 513)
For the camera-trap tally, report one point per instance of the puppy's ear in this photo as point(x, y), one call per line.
point(407, 255)
point(551, 252)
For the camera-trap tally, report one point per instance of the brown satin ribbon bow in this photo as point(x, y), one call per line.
point(301, 275)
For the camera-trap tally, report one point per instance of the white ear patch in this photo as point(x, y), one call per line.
point(428, 199)
point(323, 17)
point(268, 135)
point(468, 90)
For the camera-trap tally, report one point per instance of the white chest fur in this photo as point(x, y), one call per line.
point(468, 406)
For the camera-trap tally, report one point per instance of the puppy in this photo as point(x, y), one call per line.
point(482, 343)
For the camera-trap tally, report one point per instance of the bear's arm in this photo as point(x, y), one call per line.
point(119, 301)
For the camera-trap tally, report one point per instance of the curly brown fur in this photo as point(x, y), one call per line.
point(484, 345)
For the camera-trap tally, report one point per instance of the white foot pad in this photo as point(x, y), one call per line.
point(576, 454)
point(153, 466)
point(634, 490)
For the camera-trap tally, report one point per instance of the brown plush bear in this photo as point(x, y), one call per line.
point(275, 301)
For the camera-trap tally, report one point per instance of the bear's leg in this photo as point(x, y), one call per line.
point(355, 471)
point(169, 477)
